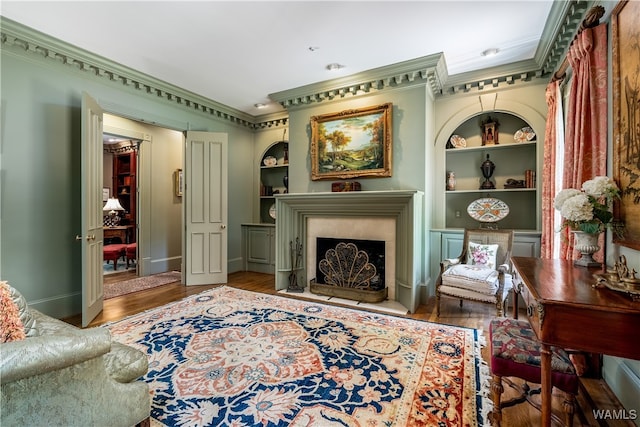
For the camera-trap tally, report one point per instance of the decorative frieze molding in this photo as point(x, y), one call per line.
point(429, 70)
point(121, 147)
point(264, 123)
point(564, 20)
point(22, 40)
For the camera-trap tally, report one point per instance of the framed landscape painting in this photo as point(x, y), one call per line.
point(352, 143)
point(626, 111)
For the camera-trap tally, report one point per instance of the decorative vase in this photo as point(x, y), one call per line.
point(285, 181)
point(451, 181)
point(587, 245)
point(487, 167)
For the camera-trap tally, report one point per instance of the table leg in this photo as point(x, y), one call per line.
point(545, 394)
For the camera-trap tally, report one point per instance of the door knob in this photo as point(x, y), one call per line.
point(222, 226)
point(89, 237)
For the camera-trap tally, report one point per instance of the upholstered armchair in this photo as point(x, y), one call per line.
point(481, 272)
point(55, 374)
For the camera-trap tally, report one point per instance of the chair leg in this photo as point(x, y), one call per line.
point(569, 408)
point(437, 303)
point(496, 393)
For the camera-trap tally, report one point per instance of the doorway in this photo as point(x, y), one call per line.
point(138, 169)
point(119, 194)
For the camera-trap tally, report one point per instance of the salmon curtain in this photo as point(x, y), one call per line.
point(549, 170)
point(585, 148)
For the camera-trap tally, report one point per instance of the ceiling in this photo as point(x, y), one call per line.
point(239, 52)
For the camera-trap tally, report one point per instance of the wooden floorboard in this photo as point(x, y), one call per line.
point(471, 315)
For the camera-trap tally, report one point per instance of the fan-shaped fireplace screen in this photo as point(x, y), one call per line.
point(350, 268)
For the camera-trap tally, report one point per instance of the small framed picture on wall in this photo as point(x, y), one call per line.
point(178, 184)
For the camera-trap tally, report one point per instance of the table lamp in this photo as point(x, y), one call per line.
point(113, 206)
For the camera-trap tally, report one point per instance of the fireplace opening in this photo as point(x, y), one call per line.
point(350, 268)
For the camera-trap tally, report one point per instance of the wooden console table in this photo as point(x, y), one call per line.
point(566, 311)
point(123, 232)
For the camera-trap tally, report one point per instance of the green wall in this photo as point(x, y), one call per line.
point(40, 161)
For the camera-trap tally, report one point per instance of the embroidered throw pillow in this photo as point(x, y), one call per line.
point(11, 328)
point(479, 254)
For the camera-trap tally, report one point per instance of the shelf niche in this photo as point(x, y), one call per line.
point(271, 178)
point(511, 159)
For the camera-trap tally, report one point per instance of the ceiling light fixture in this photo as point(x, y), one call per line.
point(490, 52)
point(259, 105)
point(335, 66)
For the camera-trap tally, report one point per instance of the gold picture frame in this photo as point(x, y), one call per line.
point(626, 130)
point(352, 143)
point(178, 183)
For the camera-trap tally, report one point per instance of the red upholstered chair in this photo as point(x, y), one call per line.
point(112, 253)
point(131, 252)
point(515, 352)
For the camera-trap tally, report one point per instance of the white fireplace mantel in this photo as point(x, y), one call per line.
point(293, 210)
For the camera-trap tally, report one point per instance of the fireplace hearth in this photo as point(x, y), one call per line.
point(350, 268)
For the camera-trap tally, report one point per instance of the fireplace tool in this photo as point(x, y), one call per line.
point(296, 258)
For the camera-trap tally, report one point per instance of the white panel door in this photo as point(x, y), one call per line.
point(205, 208)
point(91, 199)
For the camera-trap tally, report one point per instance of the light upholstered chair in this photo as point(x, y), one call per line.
point(54, 374)
point(481, 272)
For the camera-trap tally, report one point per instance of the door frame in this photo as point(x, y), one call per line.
point(142, 137)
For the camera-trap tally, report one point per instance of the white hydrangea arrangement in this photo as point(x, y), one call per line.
point(589, 209)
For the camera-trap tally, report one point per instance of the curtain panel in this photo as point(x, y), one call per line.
point(585, 148)
point(549, 170)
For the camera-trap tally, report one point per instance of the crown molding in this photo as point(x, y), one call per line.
point(430, 70)
point(23, 40)
point(563, 23)
point(272, 121)
point(564, 20)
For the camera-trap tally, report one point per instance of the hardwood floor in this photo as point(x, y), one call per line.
point(594, 395)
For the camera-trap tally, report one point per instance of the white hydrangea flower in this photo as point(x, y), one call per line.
point(600, 186)
point(577, 208)
point(563, 195)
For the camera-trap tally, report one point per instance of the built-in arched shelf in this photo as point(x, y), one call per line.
point(274, 167)
point(515, 163)
point(511, 159)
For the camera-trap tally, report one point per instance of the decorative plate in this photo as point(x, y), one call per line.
point(525, 134)
point(488, 210)
point(457, 141)
point(270, 161)
point(272, 211)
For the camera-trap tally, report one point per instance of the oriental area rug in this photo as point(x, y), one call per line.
point(116, 289)
point(228, 357)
